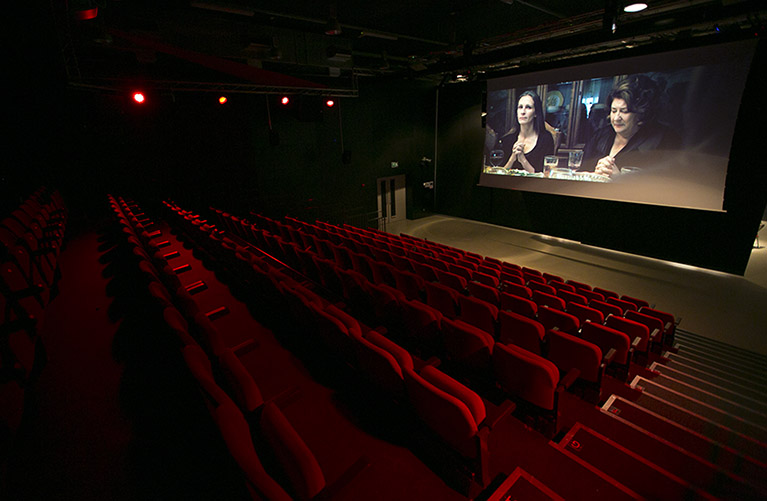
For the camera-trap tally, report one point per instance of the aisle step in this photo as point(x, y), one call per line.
point(630, 469)
point(705, 344)
point(732, 437)
point(720, 356)
point(753, 427)
point(718, 397)
point(704, 447)
point(713, 361)
point(704, 380)
point(676, 460)
point(692, 367)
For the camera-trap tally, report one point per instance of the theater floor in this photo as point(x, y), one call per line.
point(716, 305)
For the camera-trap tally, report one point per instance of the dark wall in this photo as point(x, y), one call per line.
point(720, 241)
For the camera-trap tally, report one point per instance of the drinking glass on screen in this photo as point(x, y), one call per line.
point(496, 158)
point(549, 162)
point(575, 159)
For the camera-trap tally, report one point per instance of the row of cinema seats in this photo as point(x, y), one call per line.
point(465, 331)
point(31, 238)
point(498, 308)
point(272, 460)
point(455, 418)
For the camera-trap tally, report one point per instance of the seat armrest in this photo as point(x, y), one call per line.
point(496, 413)
point(635, 343)
point(381, 330)
point(608, 357)
point(569, 379)
point(419, 364)
point(654, 335)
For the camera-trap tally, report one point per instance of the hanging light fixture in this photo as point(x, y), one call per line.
point(635, 7)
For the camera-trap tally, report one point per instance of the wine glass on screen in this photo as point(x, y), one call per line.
point(574, 160)
point(496, 158)
point(549, 162)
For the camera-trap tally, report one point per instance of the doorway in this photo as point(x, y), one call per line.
point(391, 200)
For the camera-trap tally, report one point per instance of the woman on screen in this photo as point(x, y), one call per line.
point(528, 141)
point(633, 128)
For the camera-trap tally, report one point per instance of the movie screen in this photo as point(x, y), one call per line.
point(651, 129)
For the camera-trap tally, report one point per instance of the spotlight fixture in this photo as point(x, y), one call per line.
point(285, 100)
point(330, 103)
point(635, 7)
point(139, 97)
point(222, 100)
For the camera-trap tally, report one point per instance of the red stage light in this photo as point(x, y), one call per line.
point(138, 97)
point(285, 100)
point(330, 103)
point(222, 100)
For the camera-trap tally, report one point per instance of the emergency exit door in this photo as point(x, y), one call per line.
point(391, 199)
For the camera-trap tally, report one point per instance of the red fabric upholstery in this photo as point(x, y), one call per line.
point(489, 279)
point(651, 322)
point(520, 331)
point(606, 308)
point(550, 300)
point(518, 290)
point(551, 317)
point(525, 307)
point(623, 305)
point(456, 389)
point(584, 313)
point(452, 280)
point(537, 286)
point(245, 390)
point(295, 458)
point(605, 292)
point(562, 286)
point(526, 375)
point(667, 318)
point(572, 297)
point(484, 292)
point(443, 298)
point(607, 338)
point(478, 313)
point(638, 302)
point(467, 344)
point(443, 412)
point(567, 352)
point(632, 329)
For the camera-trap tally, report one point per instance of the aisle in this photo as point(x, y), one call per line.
point(73, 442)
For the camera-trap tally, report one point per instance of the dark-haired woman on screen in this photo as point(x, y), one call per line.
point(633, 128)
point(528, 141)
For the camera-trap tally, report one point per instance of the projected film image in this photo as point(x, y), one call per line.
point(661, 135)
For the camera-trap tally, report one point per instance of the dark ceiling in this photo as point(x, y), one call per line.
point(271, 45)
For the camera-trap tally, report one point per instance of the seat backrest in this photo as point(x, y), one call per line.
point(244, 390)
point(526, 375)
point(467, 344)
point(550, 300)
point(421, 320)
point(606, 308)
point(605, 292)
point(489, 279)
point(668, 319)
point(484, 292)
point(294, 457)
point(409, 283)
point(518, 290)
point(551, 317)
point(559, 285)
point(637, 301)
point(572, 297)
point(479, 313)
point(651, 322)
point(523, 306)
point(537, 286)
point(623, 305)
point(585, 313)
point(590, 294)
point(521, 331)
point(579, 285)
point(452, 280)
point(632, 329)
point(441, 403)
point(606, 338)
point(443, 298)
point(461, 270)
point(380, 366)
point(426, 271)
point(569, 352)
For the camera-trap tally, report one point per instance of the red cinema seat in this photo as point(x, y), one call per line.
point(541, 287)
point(520, 305)
point(640, 303)
point(550, 300)
point(654, 325)
point(443, 298)
point(479, 313)
point(607, 338)
point(485, 293)
point(467, 345)
point(518, 290)
point(585, 313)
point(553, 318)
point(572, 297)
point(569, 352)
point(521, 331)
point(669, 323)
point(607, 309)
point(623, 305)
point(634, 330)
